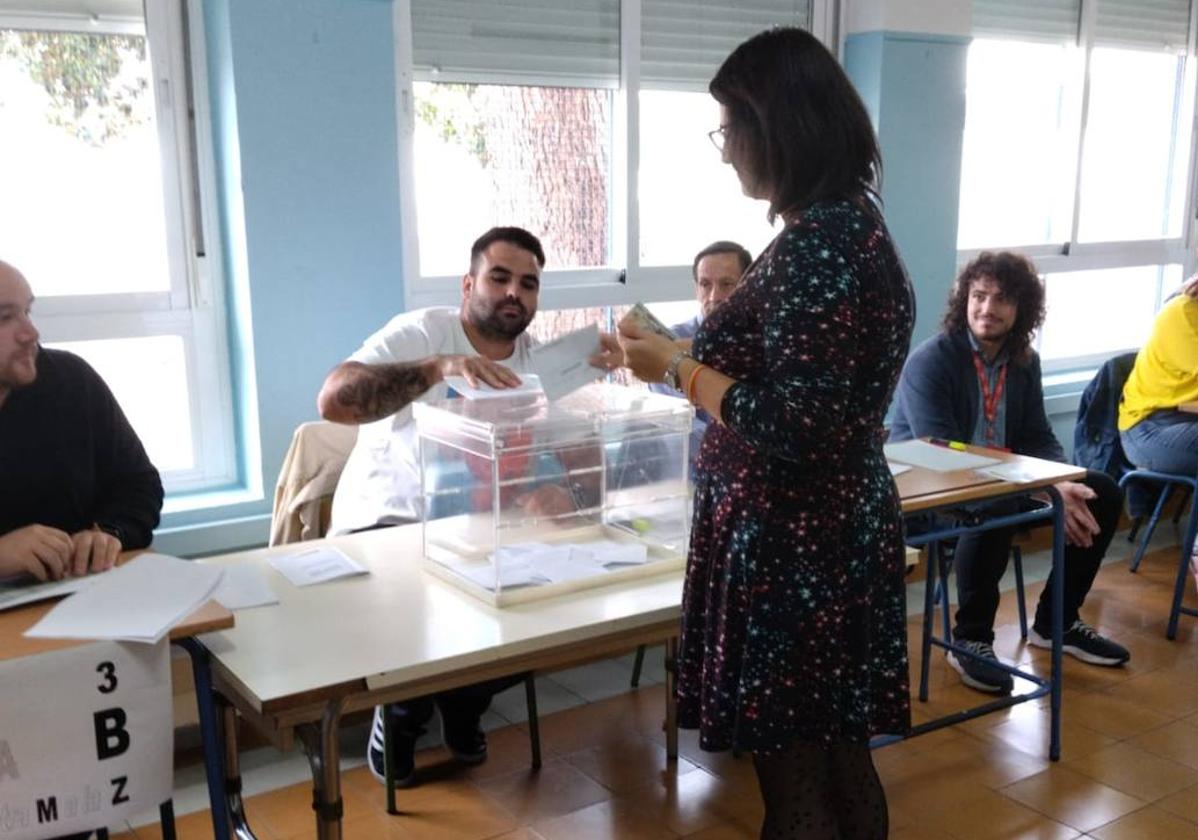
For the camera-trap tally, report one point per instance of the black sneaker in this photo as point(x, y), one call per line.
point(464, 739)
point(977, 672)
point(403, 751)
point(1083, 642)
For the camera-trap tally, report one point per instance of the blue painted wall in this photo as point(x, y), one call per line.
point(303, 98)
point(914, 87)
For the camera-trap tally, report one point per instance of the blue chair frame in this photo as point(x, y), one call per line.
point(1169, 482)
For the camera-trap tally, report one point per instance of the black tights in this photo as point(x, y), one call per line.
point(815, 792)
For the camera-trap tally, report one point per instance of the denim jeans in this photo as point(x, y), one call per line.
point(1165, 441)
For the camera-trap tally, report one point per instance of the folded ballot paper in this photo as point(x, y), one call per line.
point(135, 602)
point(532, 563)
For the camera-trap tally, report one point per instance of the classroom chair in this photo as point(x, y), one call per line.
point(1169, 482)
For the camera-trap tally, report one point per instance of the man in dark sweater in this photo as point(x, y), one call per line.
point(76, 487)
point(978, 381)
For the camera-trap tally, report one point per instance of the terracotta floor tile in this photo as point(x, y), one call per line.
point(449, 811)
point(993, 816)
point(1136, 772)
point(1072, 798)
point(557, 788)
point(288, 811)
point(685, 804)
point(1176, 741)
point(524, 833)
point(1112, 716)
point(1148, 824)
point(1184, 804)
point(1170, 691)
point(1029, 733)
point(725, 831)
point(627, 762)
point(603, 820)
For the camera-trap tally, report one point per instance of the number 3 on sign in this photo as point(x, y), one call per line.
point(75, 757)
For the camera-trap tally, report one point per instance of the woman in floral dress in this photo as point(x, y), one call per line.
point(793, 639)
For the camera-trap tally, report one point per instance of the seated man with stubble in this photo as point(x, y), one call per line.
point(978, 381)
point(76, 487)
point(485, 341)
point(717, 271)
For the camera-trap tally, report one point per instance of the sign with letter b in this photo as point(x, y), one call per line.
point(85, 738)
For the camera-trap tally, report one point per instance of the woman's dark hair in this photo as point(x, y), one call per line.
point(1017, 279)
point(795, 121)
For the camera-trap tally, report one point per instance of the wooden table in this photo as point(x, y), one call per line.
point(399, 633)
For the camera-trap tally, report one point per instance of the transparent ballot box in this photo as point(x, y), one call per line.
point(525, 498)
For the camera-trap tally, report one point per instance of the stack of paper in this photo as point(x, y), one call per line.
point(316, 565)
point(137, 602)
point(534, 563)
point(25, 589)
point(930, 456)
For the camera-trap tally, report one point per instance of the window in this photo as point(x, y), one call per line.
point(583, 120)
point(1077, 151)
point(101, 213)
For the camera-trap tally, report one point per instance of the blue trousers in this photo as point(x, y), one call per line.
point(1165, 441)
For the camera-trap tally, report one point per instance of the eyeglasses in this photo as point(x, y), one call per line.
point(718, 138)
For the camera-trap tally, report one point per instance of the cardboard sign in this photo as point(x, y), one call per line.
point(85, 738)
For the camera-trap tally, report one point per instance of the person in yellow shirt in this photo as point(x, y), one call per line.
point(1156, 434)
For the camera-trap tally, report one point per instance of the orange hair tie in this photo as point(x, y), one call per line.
point(690, 382)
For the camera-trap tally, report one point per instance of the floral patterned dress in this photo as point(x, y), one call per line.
point(794, 619)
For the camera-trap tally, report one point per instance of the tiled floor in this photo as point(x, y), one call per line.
point(1129, 767)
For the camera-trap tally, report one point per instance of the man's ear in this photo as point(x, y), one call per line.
point(467, 284)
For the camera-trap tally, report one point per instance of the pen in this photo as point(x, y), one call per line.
point(951, 444)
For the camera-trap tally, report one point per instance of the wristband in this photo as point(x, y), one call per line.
point(690, 383)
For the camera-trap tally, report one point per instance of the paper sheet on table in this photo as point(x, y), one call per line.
point(930, 456)
point(1010, 471)
point(570, 564)
point(510, 574)
point(898, 469)
point(316, 565)
point(562, 363)
point(136, 602)
point(28, 590)
point(530, 383)
point(244, 587)
point(612, 553)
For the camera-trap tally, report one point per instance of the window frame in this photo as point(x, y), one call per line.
point(626, 281)
point(1073, 255)
point(192, 307)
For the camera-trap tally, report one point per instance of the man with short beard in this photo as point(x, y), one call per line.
point(483, 341)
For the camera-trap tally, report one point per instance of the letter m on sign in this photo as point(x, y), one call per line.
point(47, 810)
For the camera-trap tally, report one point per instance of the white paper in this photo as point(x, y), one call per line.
point(897, 469)
point(87, 733)
point(244, 587)
point(612, 553)
point(316, 565)
point(136, 602)
point(1010, 471)
point(562, 363)
point(510, 574)
point(931, 456)
point(530, 383)
point(572, 564)
point(29, 590)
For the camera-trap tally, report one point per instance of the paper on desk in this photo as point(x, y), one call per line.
point(530, 383)
point(136, 602)
point(897, 469)
point(569, 563)
point(920, 453)
point(25, 589)
point(1010, 471)
point(562, 363)
point(612, 553)
point(316, 565)
point(508, 575)
point(244, 587)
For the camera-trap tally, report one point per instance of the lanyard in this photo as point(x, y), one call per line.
point(989, 400)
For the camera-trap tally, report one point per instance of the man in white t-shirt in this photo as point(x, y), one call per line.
point(407, 360)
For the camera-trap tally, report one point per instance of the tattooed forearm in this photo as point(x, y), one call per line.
point(365, 393)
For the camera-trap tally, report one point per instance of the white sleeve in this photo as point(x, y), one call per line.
point(401, 340)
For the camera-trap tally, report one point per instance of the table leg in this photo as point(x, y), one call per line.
point(1058, 618)
point(929, 590)
point(324, 757)
point(209, 734)
point(234, 808)
point(672, 698)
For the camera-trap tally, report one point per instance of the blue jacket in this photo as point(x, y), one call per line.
point(938, 396)
point(1096, 444)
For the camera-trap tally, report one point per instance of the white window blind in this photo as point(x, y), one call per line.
point(1029, 20)
point(683, 42)
point(101, 9)
point(1143, 24)
point(563, 42)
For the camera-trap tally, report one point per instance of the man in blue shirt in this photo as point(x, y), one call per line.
point(978, 380)
point(717, 270)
